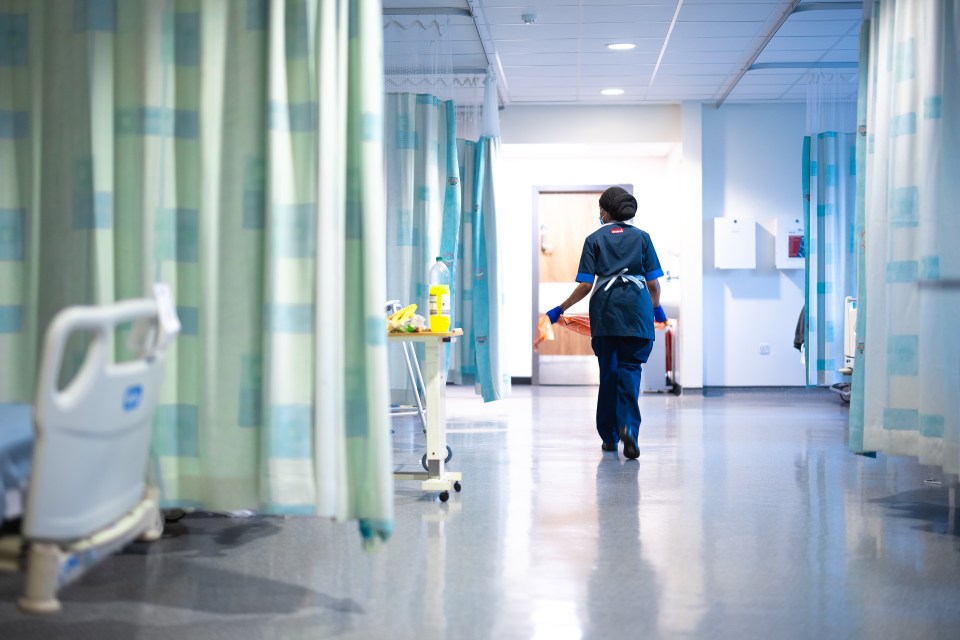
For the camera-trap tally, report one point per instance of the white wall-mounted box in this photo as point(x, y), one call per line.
point(791, 244)
point(735, 243)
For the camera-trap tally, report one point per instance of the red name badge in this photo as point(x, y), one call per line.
point(616, 230)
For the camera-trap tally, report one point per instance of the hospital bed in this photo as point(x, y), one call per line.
point(73, 467)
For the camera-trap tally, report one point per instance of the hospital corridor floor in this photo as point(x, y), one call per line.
point(744, 517)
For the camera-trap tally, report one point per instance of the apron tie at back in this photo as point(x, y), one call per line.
point(640, 281)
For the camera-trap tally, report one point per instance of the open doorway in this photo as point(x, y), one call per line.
point(563, 217)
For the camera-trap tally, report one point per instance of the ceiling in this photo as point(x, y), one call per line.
point(700, 50)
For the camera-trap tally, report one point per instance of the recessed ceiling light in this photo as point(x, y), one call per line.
point(612, 92)
point(621, 46)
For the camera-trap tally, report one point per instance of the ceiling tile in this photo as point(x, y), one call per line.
point(711, 44)
point(731, 12)
point(698, 69)
point(545, 59)
point(643, 70)
point(510, 47)
point(696, 57)
point(600, 45)
point(417, 4)
point(769, 55)
point(562, 57)
point(552, 14)
point(784, 43)
point(615, 72)
point(715, 29)
point(619, 59)
point(625, 31)
point(533, 4)
point(815, 27)
point(627, 13)
point(689, 81)
point(533, 34)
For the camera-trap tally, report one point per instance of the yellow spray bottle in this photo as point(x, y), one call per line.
point(439, 281)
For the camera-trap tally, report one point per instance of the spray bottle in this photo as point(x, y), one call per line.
point(439, 282)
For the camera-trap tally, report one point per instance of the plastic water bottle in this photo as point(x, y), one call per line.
point(439, 281)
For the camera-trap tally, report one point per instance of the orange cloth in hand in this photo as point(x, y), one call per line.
point(544, 332)
point(576, 323)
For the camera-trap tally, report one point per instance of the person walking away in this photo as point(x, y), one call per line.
point(620, 265)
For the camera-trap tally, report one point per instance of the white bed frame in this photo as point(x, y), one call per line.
point(849, 334)
point(88, 495)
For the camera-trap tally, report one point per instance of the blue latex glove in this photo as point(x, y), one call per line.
point(554, 314)
point(659, 315)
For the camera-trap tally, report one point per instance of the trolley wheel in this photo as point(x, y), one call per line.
point(174, 515)
point(423, 460)
point(457, 487)
point(444, 496)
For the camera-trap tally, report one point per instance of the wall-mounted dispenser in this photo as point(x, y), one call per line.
point(735, 243)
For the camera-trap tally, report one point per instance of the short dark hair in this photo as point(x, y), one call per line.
point(618, 203)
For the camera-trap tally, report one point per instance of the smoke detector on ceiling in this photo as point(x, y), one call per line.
point(529, 18)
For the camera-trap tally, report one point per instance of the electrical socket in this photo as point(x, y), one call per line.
point(764, 349)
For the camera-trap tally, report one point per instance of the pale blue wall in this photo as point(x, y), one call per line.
point(751, 167)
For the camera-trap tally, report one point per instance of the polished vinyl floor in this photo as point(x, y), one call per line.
point(745, 517)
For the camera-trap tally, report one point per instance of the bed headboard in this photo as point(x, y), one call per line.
point(92, 436)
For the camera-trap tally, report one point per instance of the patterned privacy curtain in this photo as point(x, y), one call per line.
point(907, 368)
point(829, 190)
point(234, 151)
point(423, 203)
point(441, 202)
point(478, 358)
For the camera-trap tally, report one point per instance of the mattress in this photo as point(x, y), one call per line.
point(16, 449)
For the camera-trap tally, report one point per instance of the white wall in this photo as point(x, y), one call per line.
point(589, 125)
point(751, 167)
point(688, 370)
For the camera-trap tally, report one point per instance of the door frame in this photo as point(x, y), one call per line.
point(535, 255)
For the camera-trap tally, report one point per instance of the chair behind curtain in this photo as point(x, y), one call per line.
point(157, 165)
point(905, 398)
point(829, 189)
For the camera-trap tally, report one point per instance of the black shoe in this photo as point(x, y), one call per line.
point(630, 448)
point(609, 446)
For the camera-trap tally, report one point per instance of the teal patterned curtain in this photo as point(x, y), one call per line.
point(441, 202)
point(423, 204)
point(905, 398)
point(479, 357)
point(829, 190)
point(234, 151)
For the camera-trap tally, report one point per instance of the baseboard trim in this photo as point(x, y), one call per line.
point(715, 392)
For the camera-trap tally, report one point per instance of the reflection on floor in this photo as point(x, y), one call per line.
point(745, 517)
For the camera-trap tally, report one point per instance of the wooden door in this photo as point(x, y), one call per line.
point(564, 220)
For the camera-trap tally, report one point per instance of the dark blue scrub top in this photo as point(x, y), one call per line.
point(624, 309)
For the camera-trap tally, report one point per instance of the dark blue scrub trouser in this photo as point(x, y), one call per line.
point(618, 402)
